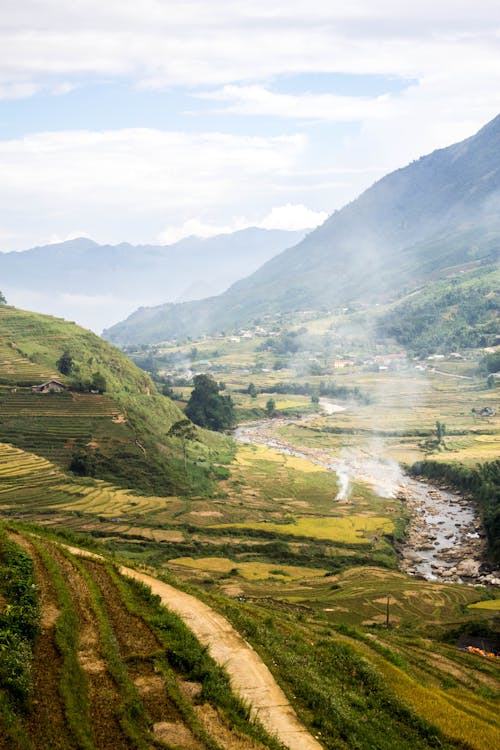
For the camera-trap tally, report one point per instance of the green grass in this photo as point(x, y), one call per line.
point(123, 435)
point(19, 622)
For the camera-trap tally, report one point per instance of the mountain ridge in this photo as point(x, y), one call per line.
point(437, 212)
point(97, 284)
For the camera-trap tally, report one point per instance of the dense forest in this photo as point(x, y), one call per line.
point(446, 315)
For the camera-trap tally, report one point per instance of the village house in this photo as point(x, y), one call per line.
point(51, 386)
point(339, 364)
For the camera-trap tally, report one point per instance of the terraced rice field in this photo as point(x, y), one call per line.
point(113, 670)
point(352, 529)
point(251, 571)
point(359, 596)
point(17, 369)
point(53, 425)
point(34, 487)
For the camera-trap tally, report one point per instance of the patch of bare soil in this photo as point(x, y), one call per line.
point(46, 723)
point(152, 692)
point(175, 734)
point(133, 635)
point(229, 739)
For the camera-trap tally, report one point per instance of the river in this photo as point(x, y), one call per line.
point(445, 540)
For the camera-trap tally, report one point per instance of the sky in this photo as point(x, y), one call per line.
point(149, 121)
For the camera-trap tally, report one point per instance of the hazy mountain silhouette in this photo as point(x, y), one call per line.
point(100, 284)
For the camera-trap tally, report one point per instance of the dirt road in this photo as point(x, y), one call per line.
point(249, 676)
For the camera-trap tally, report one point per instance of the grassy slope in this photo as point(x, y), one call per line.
point(123, 672)
point(447, 315)
point(356, 687)
point(125, 431)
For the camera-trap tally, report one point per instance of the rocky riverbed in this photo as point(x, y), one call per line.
point(445, 540)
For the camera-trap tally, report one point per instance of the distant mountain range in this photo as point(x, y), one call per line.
point(436, 217)
point(97, 285)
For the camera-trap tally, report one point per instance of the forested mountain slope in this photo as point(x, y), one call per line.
point(428, 220)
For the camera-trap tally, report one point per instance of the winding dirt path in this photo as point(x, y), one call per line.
point(249, 676)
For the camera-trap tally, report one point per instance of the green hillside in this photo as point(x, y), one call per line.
point(120, 436)
point(447, 315)
point(92, 659)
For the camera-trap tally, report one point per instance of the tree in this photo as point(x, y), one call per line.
point(440, 431)
point(183, 430)
point(3, 301)
point(252, 390)
point(83, 463)
point(65, 363)
point(270, 407)
point(98, 382)
point(207, 408)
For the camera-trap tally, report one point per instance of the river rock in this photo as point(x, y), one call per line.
point(448, 573)
point(468, 568)
point(491, 580)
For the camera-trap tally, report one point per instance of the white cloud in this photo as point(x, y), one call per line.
point(212, 42)
point(258, 100)
point(136, 184)
point(290, 217)
point(126, 184)
point(293, 217)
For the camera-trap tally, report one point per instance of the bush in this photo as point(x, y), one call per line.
point(19, 621)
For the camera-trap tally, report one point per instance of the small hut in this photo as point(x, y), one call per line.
point(51, 386)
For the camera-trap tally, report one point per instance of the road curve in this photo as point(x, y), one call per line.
point(249, 676)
